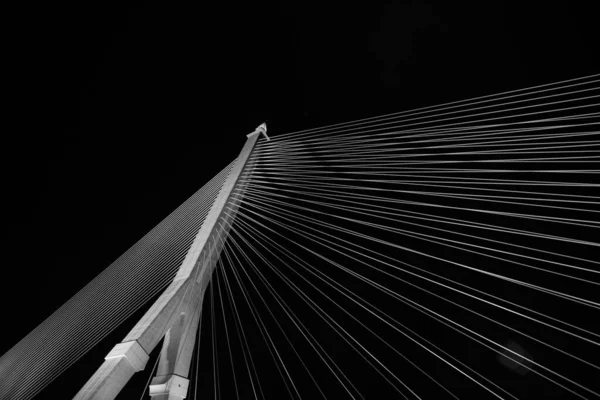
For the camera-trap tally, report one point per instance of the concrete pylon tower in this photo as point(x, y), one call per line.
point(176, 314)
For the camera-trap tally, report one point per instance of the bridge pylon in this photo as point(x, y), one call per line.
point(175, 316)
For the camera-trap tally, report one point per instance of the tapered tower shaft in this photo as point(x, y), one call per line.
point(177, 309)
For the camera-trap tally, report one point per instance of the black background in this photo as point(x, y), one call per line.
point(116, 112)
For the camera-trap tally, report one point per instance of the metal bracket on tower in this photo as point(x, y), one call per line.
point(262, 128)
point(172, 387)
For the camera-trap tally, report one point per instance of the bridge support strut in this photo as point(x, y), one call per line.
point(176, 314)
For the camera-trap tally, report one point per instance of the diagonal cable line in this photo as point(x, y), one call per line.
point(216, 381)
point(236, 274)
point(487, 119)
point(312, 270)
point(565, 296)
point(437, 206)
point(396, 230)
point(329, 320)
point(555, 374)
point(404, 299)
point(240, 331)
point(450, 134)
point(362, 253)
point(298, 134)
point(237, 394)
point(264, 333)
point(306, 334)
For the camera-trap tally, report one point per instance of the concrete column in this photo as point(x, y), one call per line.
point(173, 369)
point(187, 288)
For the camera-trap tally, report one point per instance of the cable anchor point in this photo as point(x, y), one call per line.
point(262, 128)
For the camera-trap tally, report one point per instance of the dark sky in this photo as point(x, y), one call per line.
point(117, 112)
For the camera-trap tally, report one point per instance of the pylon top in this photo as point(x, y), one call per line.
point(262, 128)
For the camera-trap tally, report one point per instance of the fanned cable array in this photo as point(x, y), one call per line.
point(109, 299)
point(446, 252)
